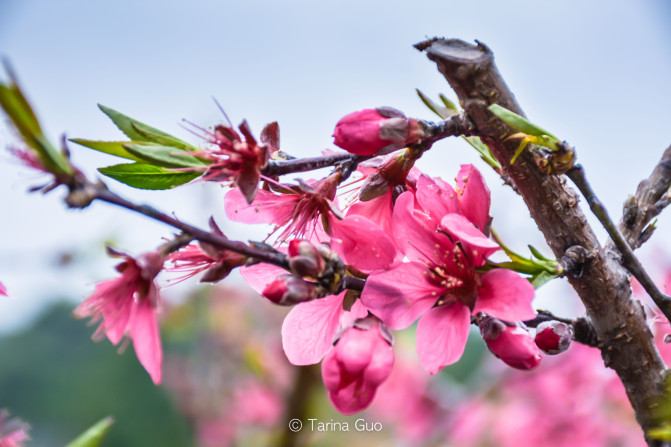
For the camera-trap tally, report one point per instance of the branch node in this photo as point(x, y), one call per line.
point(575, 259)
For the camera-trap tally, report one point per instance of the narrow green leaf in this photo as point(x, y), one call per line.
point(110, 147)
point(449, 104)
point(162, 139)
point(165, 156)
point(518, 122)
point(538, 254)
point(484, 151)
point(146, 176)
point(436, 108)
point(138, 131)
point(17, 108)
point(94, 435)
point(541, 278)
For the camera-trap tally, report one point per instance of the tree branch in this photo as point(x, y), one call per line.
point(604, 286)
point(629, 260)
point(652, 196)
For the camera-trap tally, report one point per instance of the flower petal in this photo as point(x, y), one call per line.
point(267, 207)
point(441, 336)
point(415, 236)
point(506, 295)
point(146, 339)
point(362, 244)
point(477, 245)
point(401, 295)
point(436, 197)
point(258, 276)
point(308, 330)
point(474, 196)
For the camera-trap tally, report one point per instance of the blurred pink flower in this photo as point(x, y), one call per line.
point(404, 402)
point(571, 400)
point(3, 289)
point(358, 364)
point(13, 433)
point(128, 305)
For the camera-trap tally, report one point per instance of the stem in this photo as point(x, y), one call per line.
point(275, 168)
point(629, 260)
point(265, 255)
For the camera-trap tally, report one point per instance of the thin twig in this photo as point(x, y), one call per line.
point(629, 260)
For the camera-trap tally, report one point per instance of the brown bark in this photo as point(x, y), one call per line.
point(624, 338)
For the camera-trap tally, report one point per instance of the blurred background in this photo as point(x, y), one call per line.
point(594, 73)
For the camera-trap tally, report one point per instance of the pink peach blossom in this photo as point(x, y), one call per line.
point(3, 290)
point(127, 305)
point(308, 210)
point(358, 364)
point(441, 232)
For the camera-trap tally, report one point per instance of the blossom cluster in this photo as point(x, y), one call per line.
point(421, 244)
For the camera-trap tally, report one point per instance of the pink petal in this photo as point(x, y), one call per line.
point(506, 295)
point(362, 244)
point(401, 295)
point(415, 235)
point(474, 196)
point(378, 210)
point(478, 246)
point(436, 197)
point(267, 207)
point(308, 330)
point(258, 276)
point(441, 336)
point(3, 290)
point(147, 340)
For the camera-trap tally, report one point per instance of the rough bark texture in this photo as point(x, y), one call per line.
point(650, 199)
point(625, 340)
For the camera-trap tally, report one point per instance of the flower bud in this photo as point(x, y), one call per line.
point(288, 290)
point(304, 258)
point(512, 344)
point(360, 361)
point(368, 131)
point(553, 337)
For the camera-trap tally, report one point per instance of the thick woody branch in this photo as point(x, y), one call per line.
point(652, 196)
point(624, 338)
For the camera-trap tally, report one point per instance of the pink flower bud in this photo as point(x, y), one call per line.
point(288, 290)
point(368, 131)
point(304, 258)
point(553, 337)
point(512, 344)
point(358, 364)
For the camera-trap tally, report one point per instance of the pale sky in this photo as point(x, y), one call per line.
point(594, 73)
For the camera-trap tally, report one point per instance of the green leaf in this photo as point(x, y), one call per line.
point(145, 176)
point(448, 104)
point(138, 131)
point(442, 112)
point(534, 251)
point(484, 152)
point(165, 156)
point(19, 111)
point(518, 122)
point(541, 278)
point(94, 435)
point(110, 147)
